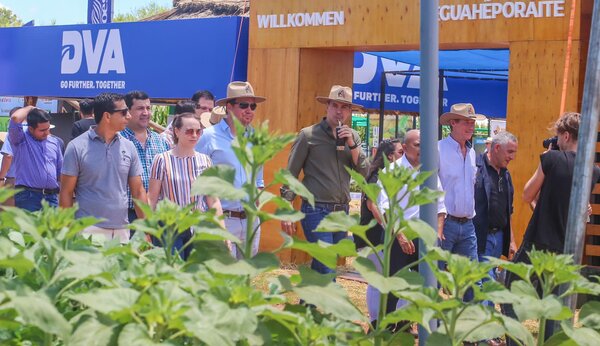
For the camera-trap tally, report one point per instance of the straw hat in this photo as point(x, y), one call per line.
point(208, 119)
point(461, 111)
point(236, 90)
point(341, 94)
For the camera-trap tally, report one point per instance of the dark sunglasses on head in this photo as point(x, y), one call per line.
point(244, 105)
point(123, 111)
point(190, 132)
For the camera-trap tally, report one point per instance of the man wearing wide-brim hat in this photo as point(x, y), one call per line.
point(324, 163)
point(240, 103)
point(457, 173)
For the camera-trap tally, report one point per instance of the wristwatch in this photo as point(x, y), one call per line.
point(286, 193)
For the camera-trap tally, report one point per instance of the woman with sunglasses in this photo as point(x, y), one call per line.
point(174, 171)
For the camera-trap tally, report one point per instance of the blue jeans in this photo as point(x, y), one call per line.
point(32, 200)
point(312, 218)
point(493, 248)
point(460, 239)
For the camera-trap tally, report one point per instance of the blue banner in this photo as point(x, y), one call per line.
point(402, 90)
point(99, 11)
point(167, 59)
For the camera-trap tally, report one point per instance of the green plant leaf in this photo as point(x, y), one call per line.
point(324, 252)
point(36, 310)
point(108, 300)
point(418, 228)
point(367, 270)
point(371, 190)
point(517, 330)
point(95, 332)
point(321, 291)
point(220, 324)
point(411, 313)
point(218, 187)
point(581, 336)
point(589, 315)
point(438, 339)
point(477, 323)
point(286, 178)
point(136, 335)
point(224, 172)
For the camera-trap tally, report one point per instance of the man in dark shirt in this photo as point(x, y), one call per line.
point(549, 191)
point(494, 200)
point(86, 109)
point(323, 162)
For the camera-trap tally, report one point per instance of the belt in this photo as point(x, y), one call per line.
point(42, 191)
point(332, 206)
point(458, 219)
point(235, 214)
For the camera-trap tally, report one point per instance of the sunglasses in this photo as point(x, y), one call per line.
point(191, 132)
point(244, 105)
point(123, 111)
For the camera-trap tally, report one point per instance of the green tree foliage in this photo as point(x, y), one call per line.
point(140, 13)
point(8, 18)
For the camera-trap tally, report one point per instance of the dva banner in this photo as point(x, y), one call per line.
point(402, 90)
point(167, 59)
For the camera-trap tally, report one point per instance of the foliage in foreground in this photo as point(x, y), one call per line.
point(60, 288)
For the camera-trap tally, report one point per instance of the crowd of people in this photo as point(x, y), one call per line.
point(115, 158)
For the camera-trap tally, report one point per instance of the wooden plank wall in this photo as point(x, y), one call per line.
point(294, 78)
point(534, 92)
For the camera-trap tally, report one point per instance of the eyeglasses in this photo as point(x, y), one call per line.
point(191, 132)
point(500, 184)
point(244, 105)
point(123, 111)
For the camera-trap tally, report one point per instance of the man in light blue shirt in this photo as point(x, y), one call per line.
point(216, 143)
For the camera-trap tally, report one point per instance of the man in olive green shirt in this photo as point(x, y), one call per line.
point(315, 152)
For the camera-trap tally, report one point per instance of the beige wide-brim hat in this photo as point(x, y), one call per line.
point(340, 94)
point(208, 119)
point(461, 111)
point(236, 90)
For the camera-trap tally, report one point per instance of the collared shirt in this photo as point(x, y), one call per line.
point(103, 171)
point(7, 150)
point(383, 201)
point(155, 145)
point(498, 203)
point(38, 163)
point(457, 174)
point(216, 143)
point(325, 176)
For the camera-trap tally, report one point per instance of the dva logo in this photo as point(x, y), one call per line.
point(102, 55)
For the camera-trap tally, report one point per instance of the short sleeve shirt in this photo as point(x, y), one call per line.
point(102, 170)
point(177, 175)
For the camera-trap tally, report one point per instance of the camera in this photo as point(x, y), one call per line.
point(552, 140)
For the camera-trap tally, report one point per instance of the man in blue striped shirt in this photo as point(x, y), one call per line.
point(147, 142)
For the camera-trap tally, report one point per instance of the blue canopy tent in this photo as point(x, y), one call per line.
point(479, 77)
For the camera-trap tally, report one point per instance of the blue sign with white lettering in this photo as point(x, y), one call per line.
point(487, 91)
point(99, 11)
point(167, 59)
